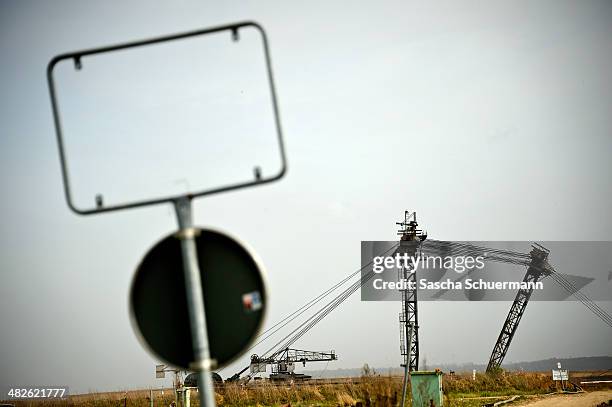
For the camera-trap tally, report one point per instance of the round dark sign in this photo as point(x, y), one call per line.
point(234, 292)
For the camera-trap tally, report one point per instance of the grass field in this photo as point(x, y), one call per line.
point(367, 390)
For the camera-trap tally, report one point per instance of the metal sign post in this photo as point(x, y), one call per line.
point(229, 257)
point(195, 302)
point(560, 375)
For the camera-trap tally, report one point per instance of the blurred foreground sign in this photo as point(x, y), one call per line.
point(234, 297)
point(148, 121)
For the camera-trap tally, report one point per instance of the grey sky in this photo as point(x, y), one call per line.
point(492, 120)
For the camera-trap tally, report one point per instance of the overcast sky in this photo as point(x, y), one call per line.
point(491, 119)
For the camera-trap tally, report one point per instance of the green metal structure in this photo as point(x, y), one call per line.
point(426, 388)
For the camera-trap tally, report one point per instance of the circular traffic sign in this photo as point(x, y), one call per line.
point(234, 291)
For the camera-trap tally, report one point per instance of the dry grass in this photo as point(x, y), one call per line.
point(370, 390)
point(345, 393)
point(502, 383)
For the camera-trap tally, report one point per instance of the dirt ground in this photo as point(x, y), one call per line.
point(572, 400)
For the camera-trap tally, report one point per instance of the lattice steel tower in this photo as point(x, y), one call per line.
point(538, 269)
point(410, 238)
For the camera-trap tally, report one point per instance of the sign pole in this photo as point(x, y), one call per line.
point(195, 302)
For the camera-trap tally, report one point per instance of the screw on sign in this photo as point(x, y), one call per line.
point(220, 280)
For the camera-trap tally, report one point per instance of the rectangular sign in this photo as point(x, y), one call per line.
point(159, 371)
point(191, 113)
point(560, 375)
